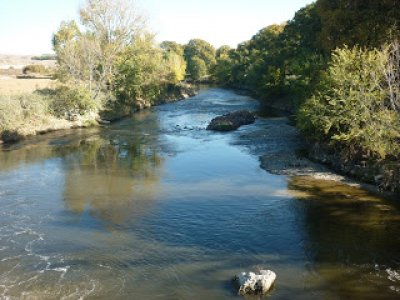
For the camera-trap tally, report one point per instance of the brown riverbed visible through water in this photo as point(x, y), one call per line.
point(156, 207)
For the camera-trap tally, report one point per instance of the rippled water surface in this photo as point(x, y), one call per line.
point(156, 207)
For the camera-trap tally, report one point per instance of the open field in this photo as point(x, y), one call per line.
point(19, 61)
point(13, 86)
point(12, 65)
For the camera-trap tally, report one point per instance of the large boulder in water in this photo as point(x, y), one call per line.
point(255, 283)
point(232, 121)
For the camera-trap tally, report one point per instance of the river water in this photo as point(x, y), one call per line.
point(156, 207)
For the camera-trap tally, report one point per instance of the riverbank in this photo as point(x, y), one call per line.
point(174, 93)
point(294, 160)
point(384, 175)
point(33, 122)
point(293, 156)
point(42, 126)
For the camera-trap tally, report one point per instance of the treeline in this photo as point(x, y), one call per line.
point(285, 61)
point(336, 64)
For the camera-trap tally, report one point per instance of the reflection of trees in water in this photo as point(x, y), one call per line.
point(115, 179)
point(349, 233)
point(39, 148)
point(113, 171)
point(9, 159)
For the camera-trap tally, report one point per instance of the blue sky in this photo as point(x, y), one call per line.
point(26, 26)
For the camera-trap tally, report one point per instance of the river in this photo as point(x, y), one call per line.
point(156, 207)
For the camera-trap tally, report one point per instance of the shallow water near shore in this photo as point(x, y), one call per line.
point(156, 207)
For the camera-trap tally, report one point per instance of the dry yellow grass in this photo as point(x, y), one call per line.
point(23, 112)
point(28, 114)
point(13, 86)
point(19, 61)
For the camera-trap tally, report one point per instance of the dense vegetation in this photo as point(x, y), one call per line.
point(279, 62)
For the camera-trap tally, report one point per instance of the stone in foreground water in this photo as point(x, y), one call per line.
point(255, 283)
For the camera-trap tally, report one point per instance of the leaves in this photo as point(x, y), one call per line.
point(349, 107)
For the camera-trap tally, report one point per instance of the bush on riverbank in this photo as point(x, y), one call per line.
point(350, 108)
point(16, 110)
point(78, 100)
point(20, 112)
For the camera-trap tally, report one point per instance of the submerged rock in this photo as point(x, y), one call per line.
point(232, 121)
point(255, 283)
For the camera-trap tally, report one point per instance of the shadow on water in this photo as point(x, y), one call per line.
point(353, 239)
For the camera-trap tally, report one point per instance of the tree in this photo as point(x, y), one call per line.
point(173, 54)
point(115, 24)
point(65, 43)
point(197, 68)
point(349, 109)
point(199, 50)
point(279, 62)
point(140, 72)
point(368, 23)
point(170, 46)
point(303, 60)
point(88, 56)
point(176, 67)
point(222, 69)
point(391, 71)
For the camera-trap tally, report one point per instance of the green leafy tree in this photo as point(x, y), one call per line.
point(368, 23)
point(349, 109)
point(197, 68)
point(88, 55)
point(141, 72)
point(279, 62)
point(174, 47)
point(303, 60)
point(222, 70)
point(199, 50)
point(173, 54)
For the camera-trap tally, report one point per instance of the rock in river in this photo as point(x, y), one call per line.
point(255, 283)
point(232, 121)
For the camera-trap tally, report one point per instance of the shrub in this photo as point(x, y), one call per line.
point(35, 69)
point(19, 109)
point(73, 100)
point(349, 110)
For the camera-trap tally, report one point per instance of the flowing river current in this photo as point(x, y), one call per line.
point(156, 207)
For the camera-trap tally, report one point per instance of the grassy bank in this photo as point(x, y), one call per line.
point(26, 110)
point(27, 114)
